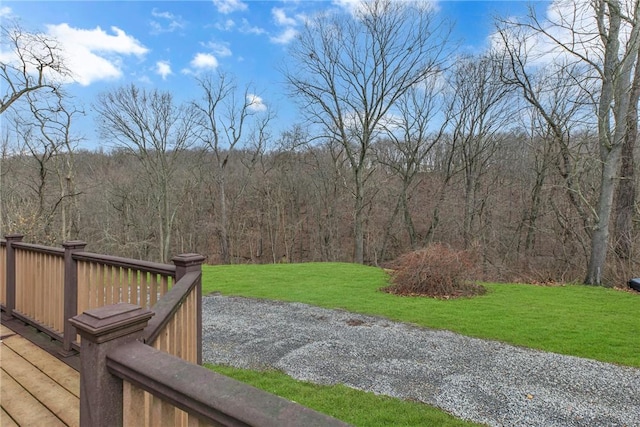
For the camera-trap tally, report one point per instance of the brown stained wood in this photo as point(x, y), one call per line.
point(163, 413)
point(147, 409)
point(56, 398)
point(192, 318)
point(83, 295)
point(46, 288)
point(6, 420)
point(3, 276)
point(21, 406)
point(115, 284)
point(178, 331)
point(133, 401)
point(165, 284)
point(35, 289)
point(59, 372)
point(19, 272)
point(94, 277)
point(182, 418)
point(57, 322)
point(132, 285)
point(105, 282)
point(54, 301)
point(120, 286)
point(153, 291)
point(195, 422)
point(144, 290)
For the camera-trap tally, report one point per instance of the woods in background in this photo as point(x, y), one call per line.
point(533, 167)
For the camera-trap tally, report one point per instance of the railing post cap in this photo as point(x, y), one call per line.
point(74, 244)
point(13, 237)
point(111, 321)
point(188, 259)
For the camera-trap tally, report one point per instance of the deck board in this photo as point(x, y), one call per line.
point(59, 372)
point(23, 408)
point(37, 388)
point(6, 420)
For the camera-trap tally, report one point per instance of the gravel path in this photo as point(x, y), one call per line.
point(483, 381)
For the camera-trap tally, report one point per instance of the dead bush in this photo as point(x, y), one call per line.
point(436, 271)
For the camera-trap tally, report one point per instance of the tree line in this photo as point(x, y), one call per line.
point(525, 154)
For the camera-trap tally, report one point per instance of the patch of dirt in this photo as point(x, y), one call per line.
point(355, 322)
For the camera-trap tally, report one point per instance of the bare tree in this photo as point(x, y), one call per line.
point(348, 72)
point(53, 121)
point(30, 62)
point(603, 35)
point(559, 95)
point(411, 137)
point(625, 198)
point(480, 111)
point(151, 127)
point(33, 62)
point(229, 121)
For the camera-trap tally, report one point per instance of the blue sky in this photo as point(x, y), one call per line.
point(164, 44)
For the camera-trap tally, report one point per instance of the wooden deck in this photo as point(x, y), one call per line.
point(36, 388)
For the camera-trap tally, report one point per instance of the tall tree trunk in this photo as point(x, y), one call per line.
point(626, 192)
point(614, 100)
point(224, 226)
point(408, 220)
point(358, 226)
point(600, 236)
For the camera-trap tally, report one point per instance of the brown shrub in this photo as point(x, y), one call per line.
point(436, 271)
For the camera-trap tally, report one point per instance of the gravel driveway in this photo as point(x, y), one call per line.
point(483, 381)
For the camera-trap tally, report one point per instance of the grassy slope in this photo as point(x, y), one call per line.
point(590, 322)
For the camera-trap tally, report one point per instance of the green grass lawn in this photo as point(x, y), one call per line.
point(591, 322)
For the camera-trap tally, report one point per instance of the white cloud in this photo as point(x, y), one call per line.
point(256, 103)
point(228, 6)
point(571, 23)
point(246, 28)
point(171, 22)
point(285, 37)
point(221, 49)
point(355, 7)
point(351, 6)
point(281, 17)
point(5, 11)
point(94, 55)
point(227, 25)
point(163, 68)
point(166, 15)
point(204, 61)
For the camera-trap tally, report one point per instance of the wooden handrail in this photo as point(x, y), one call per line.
point(146, 266)
point(168, 305)
point(211, 397)
point(39, 248)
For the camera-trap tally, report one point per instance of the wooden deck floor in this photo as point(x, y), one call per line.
point(36, 388)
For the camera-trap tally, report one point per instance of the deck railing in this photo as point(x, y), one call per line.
point(39, 285)
point(45, 286)
point(140, 325)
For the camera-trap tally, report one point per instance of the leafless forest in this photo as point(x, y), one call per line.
point(404, 143)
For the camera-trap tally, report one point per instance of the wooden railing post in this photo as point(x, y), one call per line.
point(10, 303)
point(187, 263)
point(103, 329)
point(70, 293)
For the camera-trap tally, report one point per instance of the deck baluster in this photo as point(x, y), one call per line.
point(10, 304)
